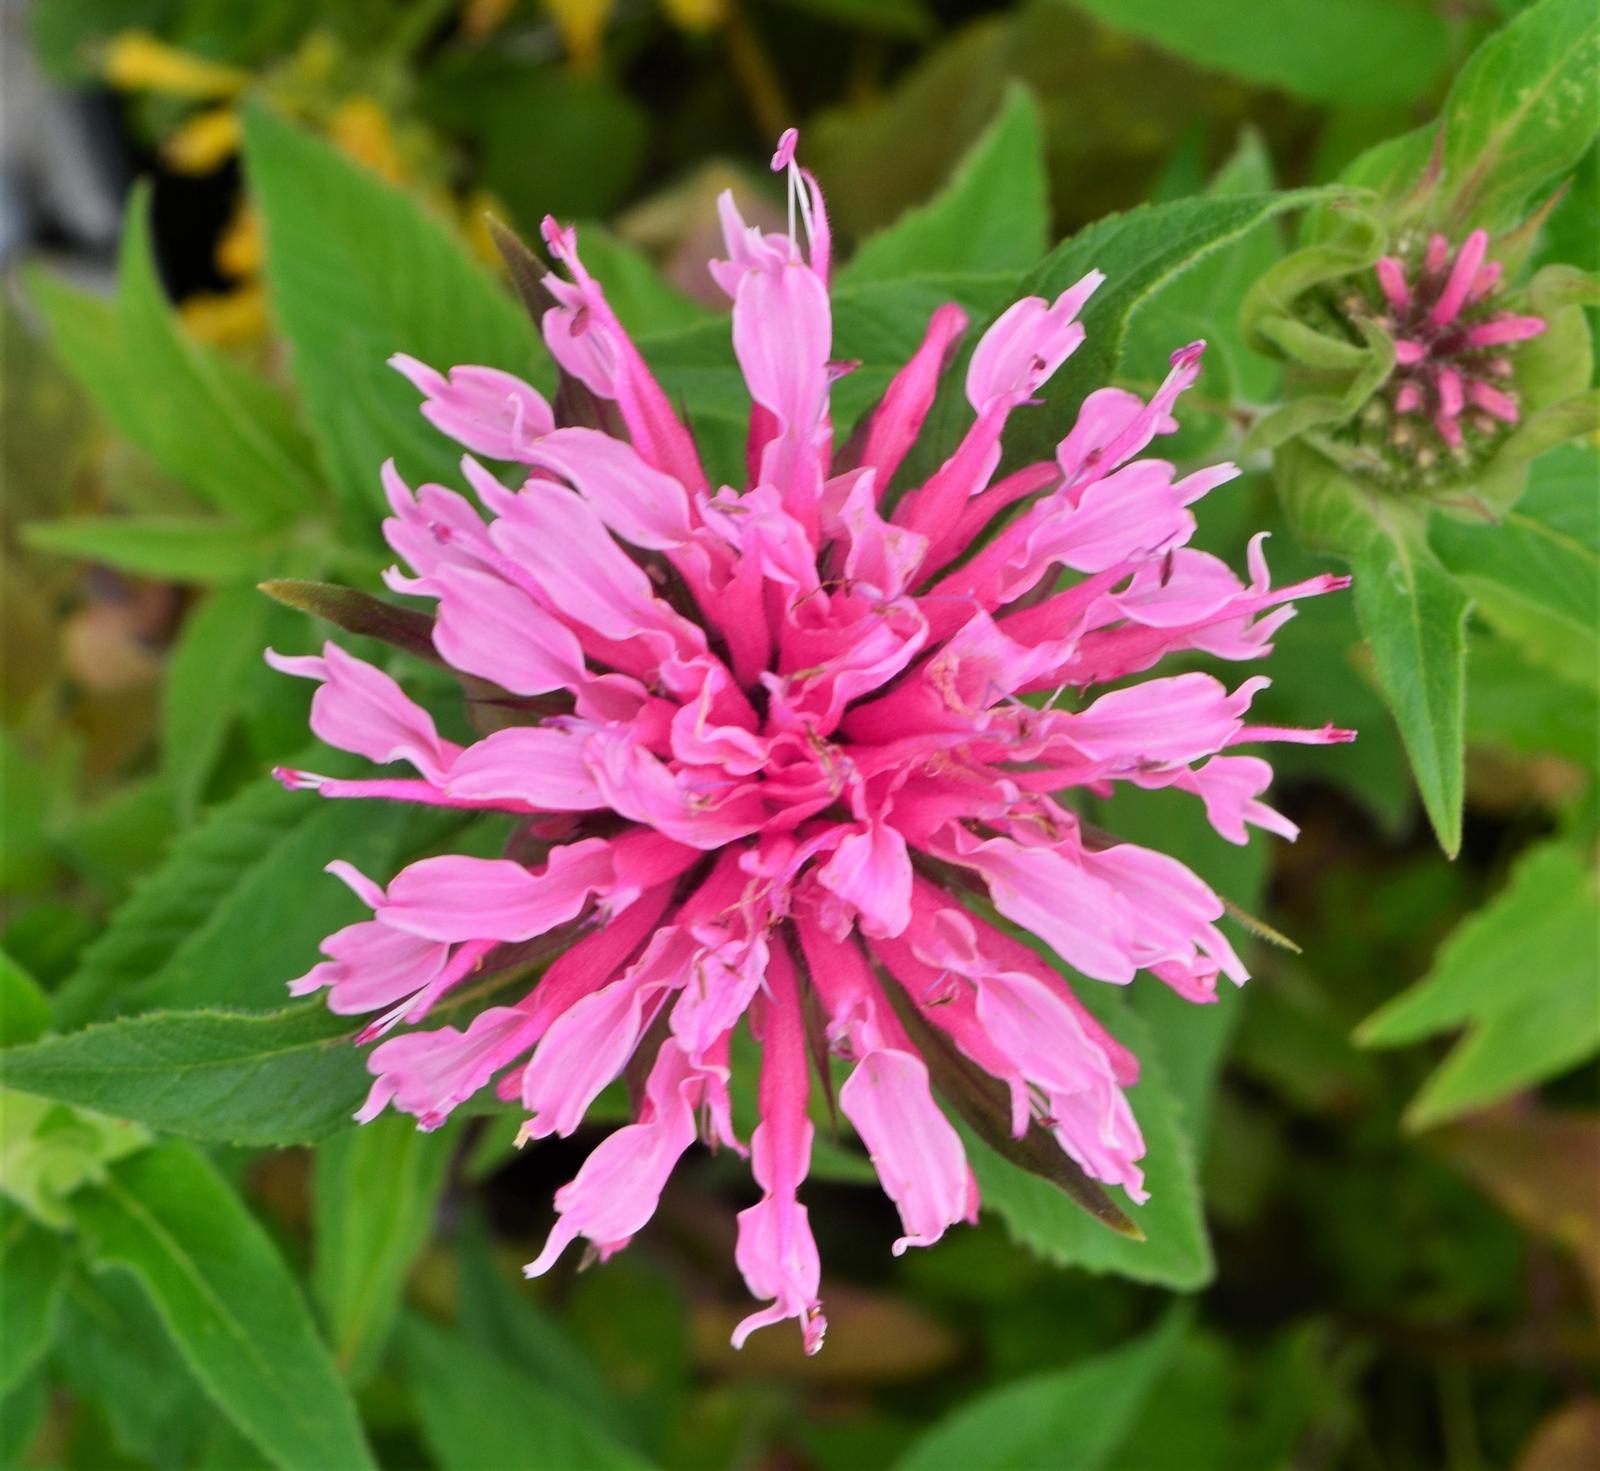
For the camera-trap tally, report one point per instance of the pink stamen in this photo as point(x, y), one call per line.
point(1468, 261)
point(1493, 401)
point(786, 146)
point(1408, 400)
point(1392, 278)
point(1438, 256)
point(1408, 353)
point(1504, 329)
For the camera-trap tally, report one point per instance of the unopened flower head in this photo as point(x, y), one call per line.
point(1451, 397)
point(796, 758)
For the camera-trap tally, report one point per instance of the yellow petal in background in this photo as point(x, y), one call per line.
point(227, 318)
point(480, 18)
point(136, 61)
point(360, 127)
point(203, 142)
point(696, 15)
point(239, 246)
point(581, 23)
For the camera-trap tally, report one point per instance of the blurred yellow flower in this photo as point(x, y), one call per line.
point(360, 127)
point(696, 15)
point(203, 142)
point(581, 23)
point(239, 250)
point(136, 61)
point(228, 318)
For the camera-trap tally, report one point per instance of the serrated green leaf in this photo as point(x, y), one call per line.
point(1537, 932)
point(226, 435)
point(207, 673)
point(22, 1412)
point(357, 272)
point(229, 1303)
point(992, 216)
point(529, 1429)
point(375, 1190)
point(1074, 1416)
point(240, 905)
point(1308, 47)
point(274, 1078)
point(176, 548)
point(33, 1270)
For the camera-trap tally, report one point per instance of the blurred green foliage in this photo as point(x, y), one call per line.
point(1374, 1238)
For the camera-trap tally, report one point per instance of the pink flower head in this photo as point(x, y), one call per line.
point(1451, 369)
point(763, 744)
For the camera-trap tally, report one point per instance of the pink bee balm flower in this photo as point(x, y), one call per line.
point(777, 767)
point(1451, 367)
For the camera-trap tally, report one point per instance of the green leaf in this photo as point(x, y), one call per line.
point(1536, 933)
point(1140, 252)
point(240, 905)
point(226, 435)
point(1521, 113)
point(1522, 974)
point(1557, 1028)
point(358, 272)
point(288, 1077)
point(1072, 1417)
point(176, 548)
point(1412, 613)
point(1413, 616)
point(1312, 48)
point(228, 1302)
point(1175, 1251)
point(1535, 577)
point(33, 1269)
point(207, 673)
point(993, 215)
point(480, 1413)
point(24, 1008)
point(376, 1189)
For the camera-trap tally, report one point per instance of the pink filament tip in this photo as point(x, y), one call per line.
point(1392, 278)
point(1438, 255)
point(786, 146)
point(1469, 259)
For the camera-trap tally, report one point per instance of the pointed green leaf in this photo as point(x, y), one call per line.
point(229, 1303)
point(1074, 1416)
point(358, 271)
point(240, 904)
point(274, 1078)
point(225, 434)
point(1413, 615)
point(375, 1190)
point(992, 216)
point(175, 548)
point(358, 613)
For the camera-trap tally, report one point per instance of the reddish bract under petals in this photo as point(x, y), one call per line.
point(750, 735)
